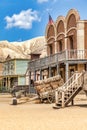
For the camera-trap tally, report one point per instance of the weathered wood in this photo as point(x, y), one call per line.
point(62, 99)
point(56, 97)
point(72, 102)
point(33, 98)
point(85, 81)
point(58, 57)
point(46, 88)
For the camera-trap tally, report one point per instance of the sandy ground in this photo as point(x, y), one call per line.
point(30, 116)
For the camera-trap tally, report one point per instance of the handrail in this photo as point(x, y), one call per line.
point(69, 90)
point(58, 57)
point(75, 77)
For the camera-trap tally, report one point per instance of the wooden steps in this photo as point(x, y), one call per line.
point(68, 91)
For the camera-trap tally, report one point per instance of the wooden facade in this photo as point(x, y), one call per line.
point(66, 48)
point(13, 72)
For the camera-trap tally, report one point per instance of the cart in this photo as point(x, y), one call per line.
point(47, 96)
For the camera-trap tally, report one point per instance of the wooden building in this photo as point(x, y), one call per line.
point(13, 73)
point(66, 48)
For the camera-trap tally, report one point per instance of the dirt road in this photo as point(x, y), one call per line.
point(31, 116)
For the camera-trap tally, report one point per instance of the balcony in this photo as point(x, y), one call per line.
point(67, 55)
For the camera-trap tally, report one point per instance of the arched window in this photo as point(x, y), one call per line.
point(71, 42)
point(51, 49)
point(60, 45)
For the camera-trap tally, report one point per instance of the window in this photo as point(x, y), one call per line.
point(71, 55)
point(60, 45)
point(51, 50)
point(71, 42)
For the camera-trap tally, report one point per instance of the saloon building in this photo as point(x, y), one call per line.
point(66, 48)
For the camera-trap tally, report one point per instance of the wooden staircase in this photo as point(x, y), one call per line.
point(66, 93)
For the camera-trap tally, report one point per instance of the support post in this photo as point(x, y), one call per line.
point(63, 100)
point(67, 71)
point(34, 75)
point(72, 102)
point(55, 45)
point(49, 71)
point(40, 74)
point(77, 77)
point(56, 97)
point(8, 83)
point(57, 69)
point(29, 80)
point(86, 66)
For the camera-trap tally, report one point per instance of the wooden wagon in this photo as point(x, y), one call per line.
point(46, 88)
point(48, 96)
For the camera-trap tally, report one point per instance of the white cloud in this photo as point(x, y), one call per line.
point(41, 1)
point(22, 20)
point(48, 9)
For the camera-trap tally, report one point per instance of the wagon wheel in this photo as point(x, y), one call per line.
point(50, 98)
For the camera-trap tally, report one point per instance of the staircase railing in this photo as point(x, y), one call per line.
point(69, 88)
point(76, 78)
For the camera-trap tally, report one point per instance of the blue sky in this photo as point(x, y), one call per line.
point(21, 20)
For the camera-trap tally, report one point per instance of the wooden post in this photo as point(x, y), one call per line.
point(14, 101)
point(67, 71)
point(72, 102)
point(29, 80)
point(67, 67)
point(66, 54)
point(8, 83)
point(40, 74)
point(55, 45)
point(77, 77)
point(63, 100)
point(34, 75)
point(49, 71)
point(86, 66)
point(56, 97)
point(57, 69)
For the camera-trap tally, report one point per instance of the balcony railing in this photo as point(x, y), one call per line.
point(10, 73)
point(58, 57)
point(43, 62)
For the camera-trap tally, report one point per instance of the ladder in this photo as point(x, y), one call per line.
point(66, 93)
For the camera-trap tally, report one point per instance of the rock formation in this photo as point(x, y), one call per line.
point(22, 49)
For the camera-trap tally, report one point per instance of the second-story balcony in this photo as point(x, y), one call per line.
point(67, 55)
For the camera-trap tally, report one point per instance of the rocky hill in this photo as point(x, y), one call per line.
point(22, 49)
